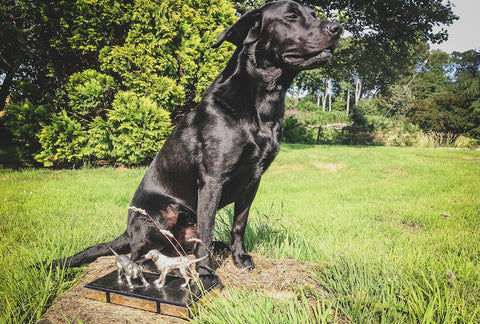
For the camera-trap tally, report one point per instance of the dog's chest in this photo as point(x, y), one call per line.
point(259, 150)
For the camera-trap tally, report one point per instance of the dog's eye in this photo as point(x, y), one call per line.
point(292, 16)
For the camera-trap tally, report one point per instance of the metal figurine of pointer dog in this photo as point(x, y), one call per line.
point(130, 269)
point(164, 265)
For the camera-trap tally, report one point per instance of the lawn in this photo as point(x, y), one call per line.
point(395, 232)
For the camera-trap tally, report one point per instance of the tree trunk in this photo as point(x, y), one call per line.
point(324, 98)
point(358, 90)
point(5, 89)
point(330, 102)
point(348, 102)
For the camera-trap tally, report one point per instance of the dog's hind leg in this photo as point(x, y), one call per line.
point(121, 245)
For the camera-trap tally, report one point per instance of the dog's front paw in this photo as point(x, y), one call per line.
point(243, 260)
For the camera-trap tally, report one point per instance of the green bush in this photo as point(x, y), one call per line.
point(134, 130)
point(138, 128)
point(359, 132)
point(306, 104)
point(296, 132)
point(339, 104)
point(100, 144)
point(397, 133)
point(24, 121)
point(63, 141)
point(371, 107)
point(90, 94)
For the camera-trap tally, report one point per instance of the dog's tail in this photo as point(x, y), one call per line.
point(192, 261)
point(121, 244)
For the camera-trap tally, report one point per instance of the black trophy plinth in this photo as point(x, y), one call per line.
point(172, 299)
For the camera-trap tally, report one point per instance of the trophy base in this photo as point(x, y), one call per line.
point(172, 299)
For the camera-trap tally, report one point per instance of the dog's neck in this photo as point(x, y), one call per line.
point(260, 85)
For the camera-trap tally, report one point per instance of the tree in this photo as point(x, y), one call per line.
point(167, 53)
point(467, 93)
point(447, 93)
point(90, 94)
point(386, 38)
point(432, 78)
point(46, 41)
point(384, 32)
point(67, 60)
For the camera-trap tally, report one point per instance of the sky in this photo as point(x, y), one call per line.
point(463, 34)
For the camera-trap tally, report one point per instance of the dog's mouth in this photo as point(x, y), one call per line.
point(307, 60)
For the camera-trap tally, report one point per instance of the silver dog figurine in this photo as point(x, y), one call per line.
point(165, 263)
point(129, 268)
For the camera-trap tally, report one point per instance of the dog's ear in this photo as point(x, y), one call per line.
point(245, 31)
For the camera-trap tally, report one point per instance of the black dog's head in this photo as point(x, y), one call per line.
point(286, 34)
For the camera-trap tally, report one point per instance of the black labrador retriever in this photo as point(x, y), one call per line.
point(218, 153)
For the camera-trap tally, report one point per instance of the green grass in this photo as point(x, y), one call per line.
point(373, 214)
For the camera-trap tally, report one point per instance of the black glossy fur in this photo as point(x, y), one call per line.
point(218, 153)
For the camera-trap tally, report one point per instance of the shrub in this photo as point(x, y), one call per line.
point(63, 141)
point(359, 132)
point(397, 133)
point(100, 144)
point(138, 128)
point(306, 104)
point(24, 121)
point(90, 94)
point(339, 105)
point(132, 133)
point(296, 132)
point(324, 117)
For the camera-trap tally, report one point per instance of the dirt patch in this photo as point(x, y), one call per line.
point(329, 167)
point(396, 170)
point(278, 277)
point(285, 168)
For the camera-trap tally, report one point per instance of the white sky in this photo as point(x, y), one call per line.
point(464, 33)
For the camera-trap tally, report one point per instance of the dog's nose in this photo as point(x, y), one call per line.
point(334, 29)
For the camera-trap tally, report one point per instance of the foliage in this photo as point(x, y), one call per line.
point(397, 101)
point(100, 144)
point(53, 41)
point(167, 54)
point(319, 117)
point(134, 130)
point(396, 133)
point(138, 128)
point(306, 104)
point(439, 114)
point(371, 107)
point(359, 132)
point(63, 141)
point(448, 106)
point(159, 50)
point(296, 132)
point(75, 56)
point(380, 45)
point(432, 78)
point(468, 90)
point(339, 104)
point(90, 94)
point(24, 121)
